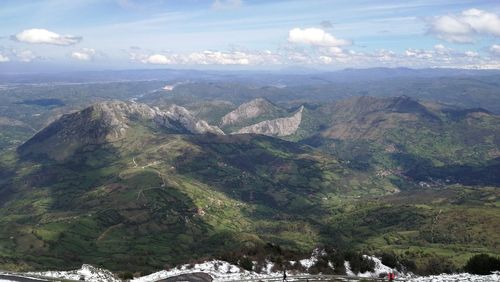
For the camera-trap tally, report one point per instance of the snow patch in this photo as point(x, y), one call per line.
point(219, 270)
point(495, 277)
point(87, 272)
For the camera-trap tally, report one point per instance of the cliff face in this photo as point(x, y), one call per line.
point(182, 116)
point(248, 111)
point(276, 127)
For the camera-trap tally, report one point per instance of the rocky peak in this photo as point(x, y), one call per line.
point(247, 111)
point(276, 127)
point(109, 122)
point(187, 120)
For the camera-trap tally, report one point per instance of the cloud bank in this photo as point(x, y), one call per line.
point(438, 56)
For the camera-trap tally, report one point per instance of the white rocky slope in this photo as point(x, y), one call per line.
point(459, 277)
point(219, 270)
point(379, 269)
point(247, 111)
point(224, 271)
point(117, 113)
point(187, 120)
point(276, 127)
point(87, 272)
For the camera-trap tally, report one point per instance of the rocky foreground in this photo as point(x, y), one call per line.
point(224, 271)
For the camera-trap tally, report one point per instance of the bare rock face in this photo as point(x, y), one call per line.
point(276, 127)
point(247, 111)
point(108, 122)
point(187, 120)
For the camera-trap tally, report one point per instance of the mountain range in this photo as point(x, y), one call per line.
point(126, 185)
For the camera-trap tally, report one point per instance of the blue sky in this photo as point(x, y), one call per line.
point(327, 34)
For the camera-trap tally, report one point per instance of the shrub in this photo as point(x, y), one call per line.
point(320, 266)
point(437, 265)
point(126, 275)
point(359, 263)
point(408, 265)
point(389, 260)
point(246, 264)
point(367, 264)
point(482, 264)
point(337, 259)
point(298, 267)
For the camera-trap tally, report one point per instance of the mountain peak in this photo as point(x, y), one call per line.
point(250, 110)
point(109, 121)
point(284, 126)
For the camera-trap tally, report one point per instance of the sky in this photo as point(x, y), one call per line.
point(248, 34)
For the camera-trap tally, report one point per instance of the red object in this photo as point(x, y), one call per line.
point(391, 276)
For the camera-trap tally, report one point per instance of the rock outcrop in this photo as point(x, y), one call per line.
point(248, 111)
point(187, 120)
point(277, 127)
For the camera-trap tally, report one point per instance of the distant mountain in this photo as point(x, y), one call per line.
point(109, 122)
point(419, 140)
point(371, 118)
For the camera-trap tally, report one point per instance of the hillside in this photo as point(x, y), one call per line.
point(128, 186)
point(167, 192)
point(423, 141)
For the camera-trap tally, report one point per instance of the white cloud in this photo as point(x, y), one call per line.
point(471, 54)
point(4, 58)
point(437, 56)
point(495, 49)
point(482, 21)
point(441, 49)
point(326, 59)
point(419, 53)
point(25, 56)
point(464, 27)
point(85, 54)
point(157, 59)
point(43, 36)
point(452, 29)
point(219, 58)
point(315, 37)
point(226, 4)
point(210, 58)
